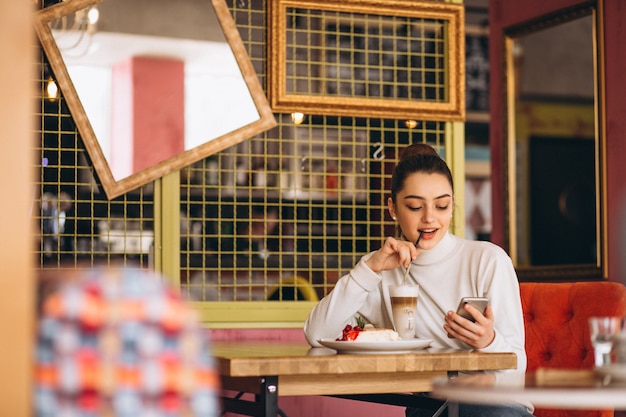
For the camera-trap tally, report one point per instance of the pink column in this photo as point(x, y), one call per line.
point(148, 118)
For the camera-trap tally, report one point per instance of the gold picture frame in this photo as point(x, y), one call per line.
point(394, 59)
point(223, 32)
point(535, 112)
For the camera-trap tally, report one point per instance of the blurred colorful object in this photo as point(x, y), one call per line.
point(120, 342)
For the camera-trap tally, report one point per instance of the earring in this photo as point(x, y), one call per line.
point(394, 218)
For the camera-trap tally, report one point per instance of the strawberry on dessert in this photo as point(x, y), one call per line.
point(350, 333)
point(368, 334)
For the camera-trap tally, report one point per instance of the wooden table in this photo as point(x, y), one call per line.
point(546, 388)
point(268, 370)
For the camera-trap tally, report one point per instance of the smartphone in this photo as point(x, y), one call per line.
point(479, 303)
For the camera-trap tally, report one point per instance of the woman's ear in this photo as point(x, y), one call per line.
point(392, 208)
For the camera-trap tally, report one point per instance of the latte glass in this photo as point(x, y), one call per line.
point(403, 308)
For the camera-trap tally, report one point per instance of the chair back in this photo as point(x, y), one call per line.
point(293, 288)
point(557, 331)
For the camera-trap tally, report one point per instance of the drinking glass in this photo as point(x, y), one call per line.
point(618, 351)
point(602, 331)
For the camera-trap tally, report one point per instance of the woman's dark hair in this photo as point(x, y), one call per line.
point(418, 157)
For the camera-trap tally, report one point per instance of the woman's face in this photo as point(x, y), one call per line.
point(424, 204)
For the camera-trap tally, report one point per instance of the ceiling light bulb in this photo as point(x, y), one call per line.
point(297, 117)
point(52, 90)
point(411, 124)
point(93, 15)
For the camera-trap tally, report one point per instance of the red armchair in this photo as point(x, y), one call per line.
point(557, 333)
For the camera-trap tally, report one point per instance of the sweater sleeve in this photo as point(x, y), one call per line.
point(503, 291)
point(356, 293)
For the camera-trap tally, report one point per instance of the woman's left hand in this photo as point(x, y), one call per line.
point(478, 334)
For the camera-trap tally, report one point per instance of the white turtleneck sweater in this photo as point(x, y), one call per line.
point(453, 269)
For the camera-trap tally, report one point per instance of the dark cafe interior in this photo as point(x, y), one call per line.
point(240, 154)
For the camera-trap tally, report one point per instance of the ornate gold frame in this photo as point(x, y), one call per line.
point(112, 187)
point(451, 108)
point(567, 272)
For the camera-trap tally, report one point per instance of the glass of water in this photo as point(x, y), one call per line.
point(602, 331)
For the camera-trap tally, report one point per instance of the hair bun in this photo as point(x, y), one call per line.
point(417, 149)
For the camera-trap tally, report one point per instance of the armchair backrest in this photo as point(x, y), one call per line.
point(555, 320)
point(556, 323)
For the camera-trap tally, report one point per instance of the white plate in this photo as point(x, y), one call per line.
point(616, 372)
point(400, 346)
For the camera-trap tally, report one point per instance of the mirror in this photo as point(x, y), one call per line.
point(553, 147)
point(152, 86)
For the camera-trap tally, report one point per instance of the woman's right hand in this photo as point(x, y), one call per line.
point(392, 254)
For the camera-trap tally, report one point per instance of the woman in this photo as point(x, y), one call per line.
point(445, 267)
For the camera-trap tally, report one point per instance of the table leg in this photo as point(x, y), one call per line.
point(265, 402)
point(453, 409)
point(268, 398)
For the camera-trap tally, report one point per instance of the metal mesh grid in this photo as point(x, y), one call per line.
point(283, 216)
point(77, 225)
point(279, 217)
point(359, 55)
